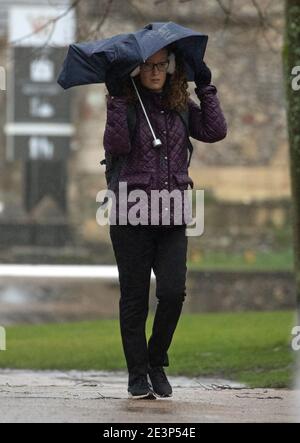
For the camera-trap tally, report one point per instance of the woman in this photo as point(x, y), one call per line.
point(162, 246)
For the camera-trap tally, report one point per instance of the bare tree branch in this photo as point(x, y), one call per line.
point(140, 15)
point(95, 32)
point(48, 23)
point(230, 10)
point(265, 24)
point(37, 51)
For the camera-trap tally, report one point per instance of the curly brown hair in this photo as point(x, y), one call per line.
point(175, 89)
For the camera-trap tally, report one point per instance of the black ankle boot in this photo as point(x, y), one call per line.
point(160, 384)
point(138, 387)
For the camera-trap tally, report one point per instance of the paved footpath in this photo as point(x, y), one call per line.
point(90, 396)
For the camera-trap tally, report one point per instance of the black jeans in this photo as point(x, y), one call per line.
point(138, 249)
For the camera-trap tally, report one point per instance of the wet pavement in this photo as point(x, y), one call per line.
point(101, 396)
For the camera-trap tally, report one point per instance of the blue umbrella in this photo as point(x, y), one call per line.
point(116, 57)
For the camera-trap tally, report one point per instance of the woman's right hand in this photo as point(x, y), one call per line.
point(115, 88)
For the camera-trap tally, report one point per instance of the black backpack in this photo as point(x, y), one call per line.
point(114, 163)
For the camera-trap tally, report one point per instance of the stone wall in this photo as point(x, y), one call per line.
point(34, 302)
point(250, 165)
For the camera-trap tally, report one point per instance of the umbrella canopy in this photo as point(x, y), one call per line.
point(116, 57)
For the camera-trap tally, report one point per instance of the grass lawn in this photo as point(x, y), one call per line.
point(249, 261)
point(252, 347)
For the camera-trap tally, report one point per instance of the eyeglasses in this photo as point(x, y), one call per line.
point(161, 66)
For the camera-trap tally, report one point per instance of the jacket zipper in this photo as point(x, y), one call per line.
point(168, 157)
point(158, 165)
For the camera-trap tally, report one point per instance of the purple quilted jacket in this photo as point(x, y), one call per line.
point(165, 167)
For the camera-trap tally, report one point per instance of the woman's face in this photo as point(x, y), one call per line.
point(151, 77)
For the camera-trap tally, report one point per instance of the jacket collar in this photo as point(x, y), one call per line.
point(150, 93)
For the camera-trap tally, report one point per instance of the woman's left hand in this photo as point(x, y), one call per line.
point(203, 76)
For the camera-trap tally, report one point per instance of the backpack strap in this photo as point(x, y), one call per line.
point(185, 118)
